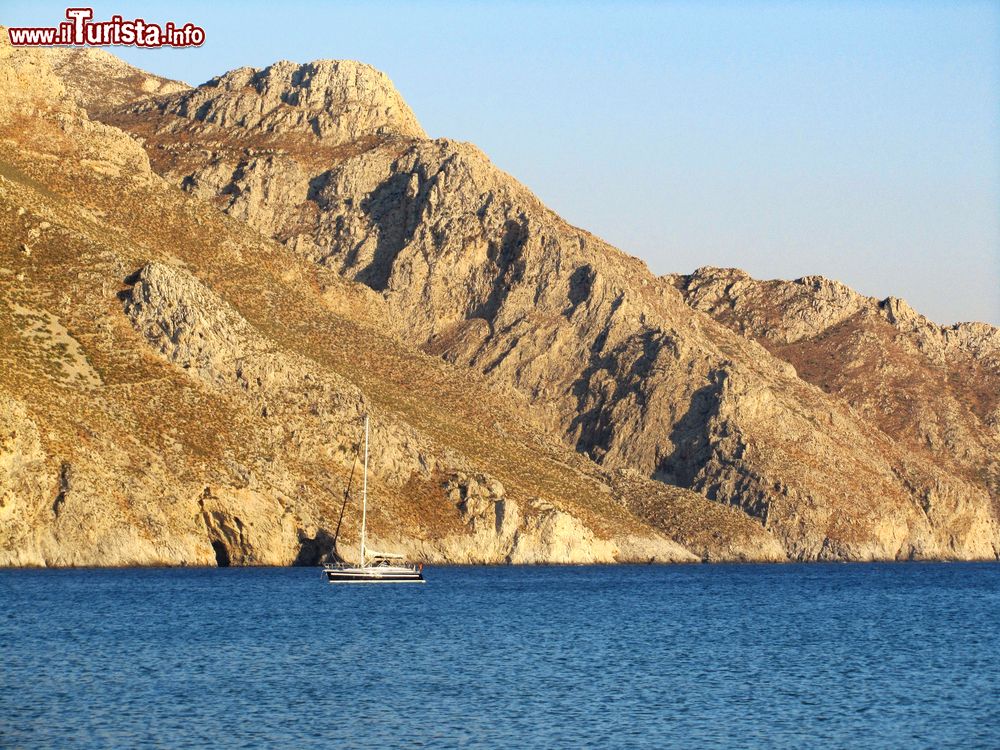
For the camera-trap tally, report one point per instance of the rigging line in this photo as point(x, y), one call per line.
point(347, 495)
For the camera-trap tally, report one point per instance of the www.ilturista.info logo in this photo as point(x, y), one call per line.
point(80, 30)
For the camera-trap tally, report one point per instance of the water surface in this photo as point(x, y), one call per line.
point(880, 655)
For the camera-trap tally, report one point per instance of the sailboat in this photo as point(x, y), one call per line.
point(373, 567)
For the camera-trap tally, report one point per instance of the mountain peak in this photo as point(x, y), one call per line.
point(331, 101)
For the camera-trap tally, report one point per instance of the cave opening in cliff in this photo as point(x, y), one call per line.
point(221, 554)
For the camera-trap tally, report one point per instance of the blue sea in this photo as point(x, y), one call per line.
point(703, 656)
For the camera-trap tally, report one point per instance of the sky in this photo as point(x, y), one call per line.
point(856, 140)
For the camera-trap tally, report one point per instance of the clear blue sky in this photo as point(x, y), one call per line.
point(860, 141)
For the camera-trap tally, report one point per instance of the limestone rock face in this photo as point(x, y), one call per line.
point(83, 511)
point(22, 480)
point(619, 364)
point(933, 389)
point(194, 328)
point(328, 101)
point(268, 536)
point(540, 532)
point(27, 80)
point(33, 93)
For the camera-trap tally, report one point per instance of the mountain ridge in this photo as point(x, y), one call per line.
point(178, 389)
point(697, 442)
point(945, 380)
point(475, 269)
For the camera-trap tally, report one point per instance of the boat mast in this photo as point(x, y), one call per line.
point(364, 497)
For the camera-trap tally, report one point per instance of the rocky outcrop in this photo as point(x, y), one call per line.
point(332, 102)
point(22, 481)
point(538, 532)
point(933, 389)
point(32, 93)
point(317, 410)
point(270, 534)
point(97, 79)
point(785, 312)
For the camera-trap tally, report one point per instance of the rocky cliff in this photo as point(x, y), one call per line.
point(622, 366)
point(176, 388)
point(933, 389)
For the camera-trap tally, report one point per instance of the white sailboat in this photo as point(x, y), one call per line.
point(373, 567)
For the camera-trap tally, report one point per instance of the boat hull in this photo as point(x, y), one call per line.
point(373, 575)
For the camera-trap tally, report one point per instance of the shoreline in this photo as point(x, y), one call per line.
point(433, 566)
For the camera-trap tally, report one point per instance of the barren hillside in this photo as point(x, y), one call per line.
point(471, 267)
point(176, 388)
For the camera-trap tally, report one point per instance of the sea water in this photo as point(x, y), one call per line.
point(882, 655)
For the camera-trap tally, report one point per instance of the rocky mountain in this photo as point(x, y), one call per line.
point(177, 388)
point(329, 102)
point(96, 78)
point(626, 368)
point(933, 389)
